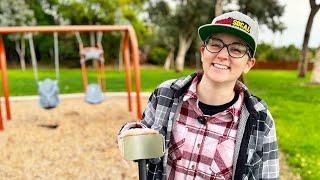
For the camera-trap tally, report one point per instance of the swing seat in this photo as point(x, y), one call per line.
point(92, 53)
point(48, 92)
point(94, 94)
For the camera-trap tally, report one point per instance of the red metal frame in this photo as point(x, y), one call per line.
point(126, 56)
point(130, 38)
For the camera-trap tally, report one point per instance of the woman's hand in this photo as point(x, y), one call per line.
point(137, 131)
point(133, 132)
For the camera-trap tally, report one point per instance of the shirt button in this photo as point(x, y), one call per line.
point(198, 145)
point(192, 167)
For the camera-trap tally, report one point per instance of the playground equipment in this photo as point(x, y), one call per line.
point(94, 92)
point(142, 147)
point(48, 89)
point(129, 37)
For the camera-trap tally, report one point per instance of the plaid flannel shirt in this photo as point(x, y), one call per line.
point(256, 150)
point(203, 150)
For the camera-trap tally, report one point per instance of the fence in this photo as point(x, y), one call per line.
point(287, 65)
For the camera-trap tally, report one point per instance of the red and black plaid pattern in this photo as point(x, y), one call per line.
point(202, 151)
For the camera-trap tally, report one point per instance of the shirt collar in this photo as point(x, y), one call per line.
point(234, 109)
point(192, 90)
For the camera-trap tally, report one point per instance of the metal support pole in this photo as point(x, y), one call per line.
point(136, 63)
point(142, 169)
point(126, 57)
point(5, 85)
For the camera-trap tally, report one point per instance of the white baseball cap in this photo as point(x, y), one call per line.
point(235, 23)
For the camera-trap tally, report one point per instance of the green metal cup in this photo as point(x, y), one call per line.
point(143, 146)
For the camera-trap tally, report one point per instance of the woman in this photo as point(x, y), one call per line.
point(213, 126)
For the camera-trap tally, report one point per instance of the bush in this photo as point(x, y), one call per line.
point(269, 53)
point(158, 55)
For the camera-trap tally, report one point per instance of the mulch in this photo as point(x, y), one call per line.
point(76, 140)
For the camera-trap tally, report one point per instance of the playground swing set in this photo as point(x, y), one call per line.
point(49, 89)
point(138, 148)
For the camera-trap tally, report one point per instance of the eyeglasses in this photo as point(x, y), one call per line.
point(235, 50)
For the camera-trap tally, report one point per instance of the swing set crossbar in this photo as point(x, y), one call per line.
point(130, 44)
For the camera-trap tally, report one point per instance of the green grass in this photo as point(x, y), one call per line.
point(295, 106)
point(293, 102)
point(23, 83)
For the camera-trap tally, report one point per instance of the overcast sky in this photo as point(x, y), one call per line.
point(295, 18)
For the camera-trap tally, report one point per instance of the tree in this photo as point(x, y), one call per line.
point(188, 15)
point(17, 13)
point(164, 31)
point(267, 12)
point(177, 26)
point(218, 8)
point(89, 12)
point(303, 64)
point(50, 8)
point(315, 78)
point(128, 12)
point(108, 12)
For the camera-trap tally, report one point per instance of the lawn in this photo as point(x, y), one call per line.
point(23, 83)
point(294, 103)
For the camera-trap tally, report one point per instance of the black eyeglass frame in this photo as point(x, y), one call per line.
point(227, 46)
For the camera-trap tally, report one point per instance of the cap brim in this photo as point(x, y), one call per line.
point(207, 30)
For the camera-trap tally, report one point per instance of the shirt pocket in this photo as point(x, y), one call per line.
point(177, 142)
point(221, 166)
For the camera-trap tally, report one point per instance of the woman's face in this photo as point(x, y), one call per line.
point(220, 67)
